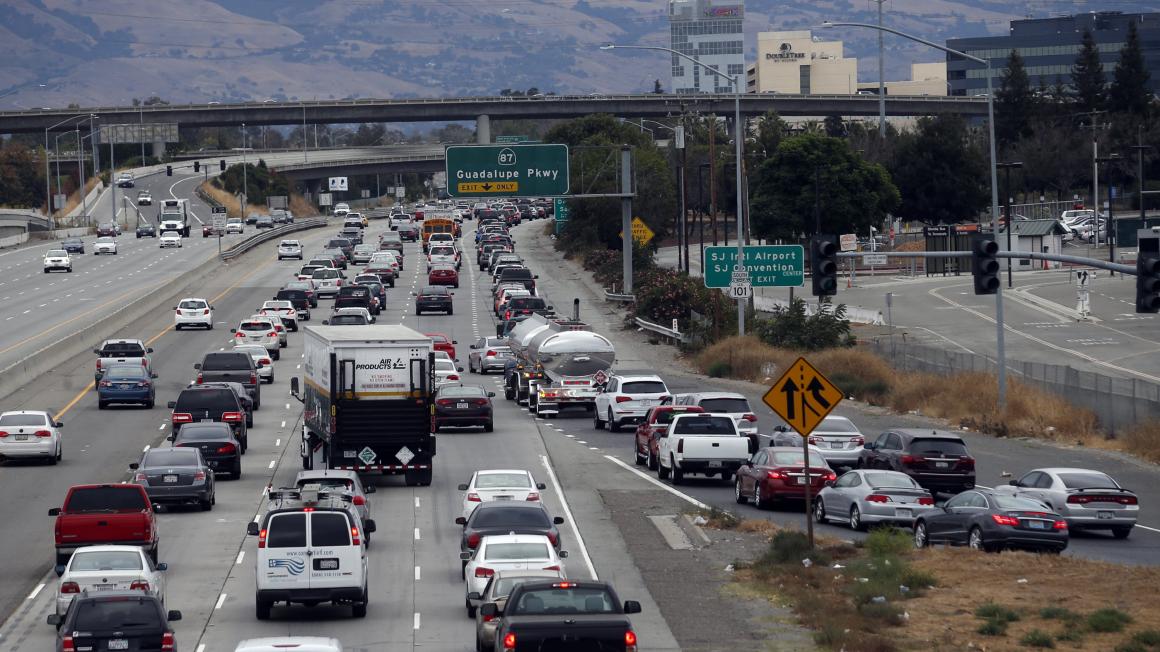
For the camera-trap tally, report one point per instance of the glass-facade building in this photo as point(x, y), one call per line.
point(712, 34)
point(1049, 47)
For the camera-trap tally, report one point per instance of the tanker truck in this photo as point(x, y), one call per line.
point(558, 363)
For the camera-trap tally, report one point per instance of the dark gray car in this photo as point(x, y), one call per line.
point(176, 476)
point(231, 367)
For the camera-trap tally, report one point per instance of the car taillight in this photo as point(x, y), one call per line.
point(443, 402)
point(239, 334)
point(139, 585)
point(877, 498)
point(262, 362)
point(70, 587)
point(453, 377)
point(168, 644)
point(199, 376)
point(143, 383)
point(262, 538)
point(98, 364)
point(358, 500)
point(472, 540)
point(232, 417)
point(490, 353)
point(1003, 519)
point(909, 459)
point(1059, 525)
point(814, 439)
point(775, 475)
point(178, 311)
point(553, 539)
point(623, 399)
point(533, 496)
point(338, 283)
point(487, 619)
point(509, 641)
point(858, 441)
point(831, 476)
point(354, 536)
point(67, 645)
point(507, 314)
point(752, 418)
point(43, 433)
point(205, 311)
point(484, 571)
point(680, 445)
point(140, 478)
point(554, 567)
point(1127, 500)
point(181, 417)
point(926, 500)
point(967, 462)
point(629, 640)
point(473, 498)
point(254, 376)
point(3, 434)
point(199, 476)
point(273, 333)
point(226, 449)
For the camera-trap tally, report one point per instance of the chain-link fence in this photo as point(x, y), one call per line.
point(1117, 402)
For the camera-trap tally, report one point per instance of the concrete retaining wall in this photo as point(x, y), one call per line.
point(13, 241)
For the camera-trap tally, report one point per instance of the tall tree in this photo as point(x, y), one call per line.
point(1087, 76)
point(1014, 102)
point(942, 176)
point(835, 127)
point(809, 173)
point(1129, 91)
point(657, 88)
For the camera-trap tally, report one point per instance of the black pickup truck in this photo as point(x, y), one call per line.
point(564, 616)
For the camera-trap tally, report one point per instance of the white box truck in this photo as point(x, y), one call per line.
point(174, 216)
point(368, 393)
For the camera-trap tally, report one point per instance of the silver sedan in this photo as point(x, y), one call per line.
point(1088, 500)
point(487, 354)
point(863, 497)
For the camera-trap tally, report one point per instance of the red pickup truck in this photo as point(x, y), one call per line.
point(104, 514)
point(655, 425)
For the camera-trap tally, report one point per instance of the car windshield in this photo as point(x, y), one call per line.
point(254, 326)
point(880, 480)
point(23, 420)
point(573, 600)
point(1016, 503)
point(727, 405)
point(536, 303)
point(444, 365)
point(327, 483)
point(936, 447)
point(465, 391)
point(704, 425)
point(105, 560)
point(502, 551)
point(171, 456)
point(435, 290)
point(204, 432)
point(325, 273)
point(117, 615)
point(643, 387)
point(1088, 480)
point(56, 253)
point(289, 243)
point(442, 251)
point(831, 424)
point(108, 498)
point(253, 350)
point(502, 480)
point(509, 517)
point(666, 416)
point(191, 305)
point(125, 350)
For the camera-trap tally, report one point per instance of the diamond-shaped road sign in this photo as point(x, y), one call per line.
point(802, 397)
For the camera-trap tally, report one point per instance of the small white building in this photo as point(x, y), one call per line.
point(1039, 236)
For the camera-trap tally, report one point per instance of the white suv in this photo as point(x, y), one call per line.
point(731, 403)
point(258, 330)
point(310, 550)
point(57, 259)
point(193, 311)
point(235, 225)
point(289, 249)
point(627, 399)
point(283, 309)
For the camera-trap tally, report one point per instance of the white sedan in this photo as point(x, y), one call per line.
point(446, 373)
point(507, 552)
point(109, 568)
point(30, 434)
point(262, 360)
point(170, 239)
point(105, 245)
point(193, 311)
point(499, 484)
point(282, 309)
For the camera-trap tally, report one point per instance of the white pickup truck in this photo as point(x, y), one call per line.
point(709, 444)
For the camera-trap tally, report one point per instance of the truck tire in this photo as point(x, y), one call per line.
point(662, 472)
point(262, 609)
point(678, 474)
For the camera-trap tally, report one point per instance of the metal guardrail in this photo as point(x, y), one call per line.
point(257, 239)
point(609, 295)
point(660, 330)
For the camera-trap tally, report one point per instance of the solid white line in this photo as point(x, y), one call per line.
point(162, 427)
point(146, 449)
point(658, 483)
point(416, 620)
point(568, 515)
point(240, 555)
point(221, 600)
point(35, 592)
point(1150, 529)
point(416, 573)
point(273, 463)
point(416, 534)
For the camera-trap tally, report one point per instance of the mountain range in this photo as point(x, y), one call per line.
point(108, 52)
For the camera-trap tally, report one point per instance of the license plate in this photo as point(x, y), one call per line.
point(902, 512)
point(21, 437)
point(1105, 515)
point(502, 497)
point(118, 644)
point(461, 406)
point(1037, 525)
point(211, 464)
point(942, 465)
point(207, 420)
point(327, 564)
point(714, 465)
point(799, 480)
point(169, 478)
point(104, 587)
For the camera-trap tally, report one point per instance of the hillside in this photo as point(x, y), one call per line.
point(108, 52)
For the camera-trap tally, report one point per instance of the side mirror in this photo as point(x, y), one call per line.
point(152, 375)
point(465, 556)
point(491, 394)
point(162, 566)
point(55, 511)
point(96, 351)
point(563, 554)
point(370, 526)
point(175, 307)
point(150, 350)
point(134, 466)
point(459, 368)
point(551, 307)
point(455, 342)
point(294, 391)
point(780, 429)
point(541, 486)
point(59, 570)
point(1014, 483)
point(173, 615)
point(172, 404)
point(463, 487)
point(487, 609)
point(559, 520)
point(55, 620)
point(753, 444)
point(459, 520)
point(869, 446)
point(252, 529)
point(325, 322)
point(370, 488)
point(631, 607)
point(474, 595)
point(233, 330)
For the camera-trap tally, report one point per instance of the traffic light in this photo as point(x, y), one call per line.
point(824, 264)
point(197, 166)
point(984, 264)
point(1148, 271)
point(168, 170)
point(222, 163)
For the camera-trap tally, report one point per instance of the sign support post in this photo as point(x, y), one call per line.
point(626, 243)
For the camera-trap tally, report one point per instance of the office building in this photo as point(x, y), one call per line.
point(712, 34)
point(1049, 47)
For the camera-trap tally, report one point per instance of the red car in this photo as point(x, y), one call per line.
point(654, 426)
point(443, 275)
point(443, 343)
point(778, 472)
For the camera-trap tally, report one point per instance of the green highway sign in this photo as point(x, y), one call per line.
point(766, 265)
point(560, 209)
point(507, 170)
point(511, 139)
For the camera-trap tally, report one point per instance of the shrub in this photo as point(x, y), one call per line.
point(888, 541)
point(790, 327)
point(994, 611)
point(1057, 613)
point(719, 369)
point(1150, 637)
point(882, 612)
point(791, 547)
point(993, 628)
point(1037, 638)
point(1108, 620)
point(1130, 646)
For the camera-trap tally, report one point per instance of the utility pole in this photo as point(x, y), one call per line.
point(881, 78)
point(1140, 148)
point(1095, 169)
point(712, 178)
point(245, 180)
point(1109, 237)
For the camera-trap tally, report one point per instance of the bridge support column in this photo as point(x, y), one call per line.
point(483, 129)
point(158, 149)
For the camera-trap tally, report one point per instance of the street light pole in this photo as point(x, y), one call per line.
point(1000, 344)
point(245, 181)
point(1109, 237)
point(47, 170)
point(739, 147)
point(1007, 167)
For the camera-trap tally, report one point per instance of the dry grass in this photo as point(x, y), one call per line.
point(74, 199)
point(1144, 440)
point(300, 207)
point(913, 245)
point(233, 206)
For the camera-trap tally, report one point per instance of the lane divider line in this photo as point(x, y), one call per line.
point(649, 478)
point(35, 592)
point(568, 514)
point(220, 602)
point(241, 555)
point(416, 534)
point(417, 573)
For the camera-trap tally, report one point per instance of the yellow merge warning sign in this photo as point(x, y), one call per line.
point(802, 397)
point(488, 187)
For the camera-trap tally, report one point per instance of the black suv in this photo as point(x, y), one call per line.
point(146, 230)
point(230, 367)
point(198, 404)
point(521, 275)
point(300, 300)
point(936, 460)
point(355, 296)
point(434, 298)
point(115, 620)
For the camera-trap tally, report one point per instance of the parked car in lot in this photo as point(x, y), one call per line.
point(461, 406)
point(775, 474)
point(860, 498)
point(115, 620)
point(937, 460)
point(30, 434)
point(626, 399)
point(986, 520)
point(177, 475)
point(126, 383)
point(1087, 499)
point(108, 568)
point(216, 442)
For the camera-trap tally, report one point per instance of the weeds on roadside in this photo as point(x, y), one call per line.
point(1037, 638)
point(1108, 620)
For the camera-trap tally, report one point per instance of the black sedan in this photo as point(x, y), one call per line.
point(146, 230)
point(220, 449)
point(176, 476)
point(463, 406)
point(506, 517)
point(434, 298)
point(990, 521)
point(73, 245)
